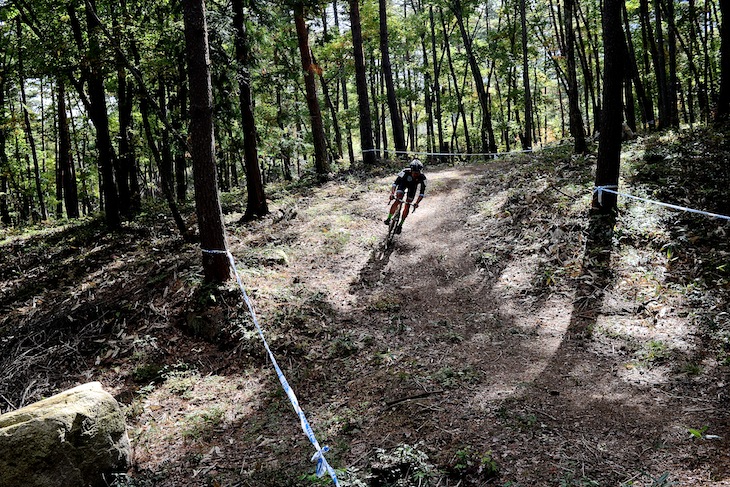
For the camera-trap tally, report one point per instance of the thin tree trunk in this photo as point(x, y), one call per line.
point(125, 162)
point(181, 179)
point(29, 129)
point(65, 161)
point(673, 80)
point(321, 161)
point(488, 142)
point(395, 116)
point(256, 203)
point(436, 82)
point(575, 119)
point(527, 137)
point(4, 162)
point(455, 81)
point(645, 103)
point(363, 103)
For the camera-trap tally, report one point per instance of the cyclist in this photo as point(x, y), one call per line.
point(409, 179)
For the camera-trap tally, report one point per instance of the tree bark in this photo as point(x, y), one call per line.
point(527, 137)
point(489, 144)
point(723, 102)
point(202, 144)
point(396, 121)
point(100, 118)
point(321, 161)
point(256, 198)
point(575, 118)
point(28, 128)
point(363, 103)
point(4, 163)
point(65, 162)
point(436, 83)
point(609, 148)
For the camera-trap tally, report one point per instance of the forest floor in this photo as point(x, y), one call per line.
point(509, 337)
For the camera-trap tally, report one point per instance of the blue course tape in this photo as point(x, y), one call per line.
point(612, 189)
point(322, 465)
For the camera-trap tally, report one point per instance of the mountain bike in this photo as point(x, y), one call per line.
point(394, 221)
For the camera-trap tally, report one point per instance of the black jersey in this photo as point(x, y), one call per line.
point(407, 181)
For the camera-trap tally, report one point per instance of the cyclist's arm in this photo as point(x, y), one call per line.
point(421, 193)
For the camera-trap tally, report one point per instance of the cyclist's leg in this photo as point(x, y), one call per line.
point(394, 206)
point(407, 209)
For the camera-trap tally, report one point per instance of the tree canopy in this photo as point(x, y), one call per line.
point(456, 77)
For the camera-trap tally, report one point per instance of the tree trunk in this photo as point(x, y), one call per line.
point(65, 161)
point(363, 103)
point(488, 142)
point(28, 128)
point(645, 103)
point(672, 82)
point(256, 198)
point(575, 118)
point(455, 81)
point(159, 158)
point(181, 179)
point(202, 144)
point(723, 102)
point(4, 163)
point(527, 137)
point(609, 144)
point(395, 116)
point(436, 83)
point(125, 162)
point(427, 99)
point(321, 161)
point(100, 118)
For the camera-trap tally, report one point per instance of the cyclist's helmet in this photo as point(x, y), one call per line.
point(416, 165)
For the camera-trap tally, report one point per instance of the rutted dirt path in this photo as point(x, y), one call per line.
point(505, 330)
point(463, 352)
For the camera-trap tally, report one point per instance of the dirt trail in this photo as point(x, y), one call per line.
point(503, 326)
point(460, 356)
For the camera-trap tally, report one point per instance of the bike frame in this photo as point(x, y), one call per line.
point(395, 219)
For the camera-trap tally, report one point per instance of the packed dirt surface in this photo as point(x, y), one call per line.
point(508, 337)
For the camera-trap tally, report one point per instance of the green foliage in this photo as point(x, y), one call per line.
point(403, 465)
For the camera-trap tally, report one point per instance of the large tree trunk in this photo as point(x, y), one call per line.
point(100, 118)
point(256, 202)
point(202, 144)
point(363, 103)
point(396, 121)
point(723, 102)
point(321, 161)
point(609, 148)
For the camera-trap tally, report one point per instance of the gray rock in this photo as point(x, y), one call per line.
point(75, 438)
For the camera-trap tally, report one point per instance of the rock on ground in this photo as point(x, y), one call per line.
point(75, 438)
